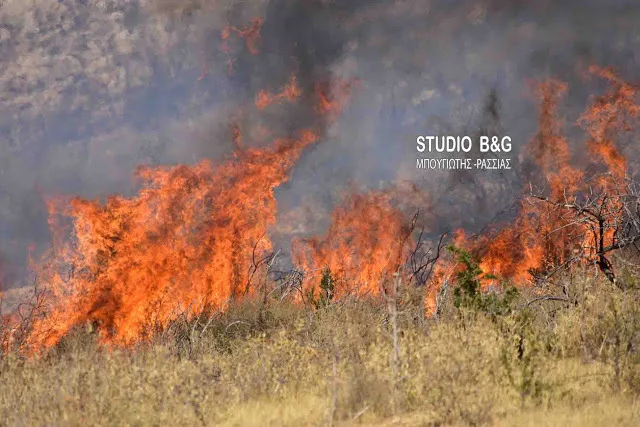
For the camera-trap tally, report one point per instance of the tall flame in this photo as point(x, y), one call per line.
point(543, 236)
point(184, 242)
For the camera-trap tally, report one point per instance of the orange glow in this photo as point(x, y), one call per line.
point(331, 102)
point(367, 242)
point(609, 114)
point(184, 242)
point(290, 93)
point(250, 34)
point(543, 236)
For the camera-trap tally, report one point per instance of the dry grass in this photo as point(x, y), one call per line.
point(283, 364)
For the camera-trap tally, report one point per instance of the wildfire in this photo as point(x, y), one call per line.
point(185, 242)
point(543, 236)
point(367, 241)
point(188, 240)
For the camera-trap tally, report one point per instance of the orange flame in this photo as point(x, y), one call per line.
point(610, 113)
point(543, 236)
point(290, 93)
point(250, 34)
point(184, 242)
point(366, 243)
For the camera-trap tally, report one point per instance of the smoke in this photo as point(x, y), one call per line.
point(90, 90)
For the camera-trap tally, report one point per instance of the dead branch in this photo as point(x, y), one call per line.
point(422, 262)
point(607, 211)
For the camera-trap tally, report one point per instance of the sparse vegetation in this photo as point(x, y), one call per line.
point(335, 363)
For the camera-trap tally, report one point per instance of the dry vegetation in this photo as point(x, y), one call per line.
point(571, 362)
point(561, 354)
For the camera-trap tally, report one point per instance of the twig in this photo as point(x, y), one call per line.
point(545, 298)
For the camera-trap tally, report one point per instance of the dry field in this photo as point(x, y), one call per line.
point(551, 363)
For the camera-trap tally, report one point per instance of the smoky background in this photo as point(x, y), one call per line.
point(90, 90)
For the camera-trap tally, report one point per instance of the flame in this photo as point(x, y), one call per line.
point(184, 242)
point(333, 98)
point(250, 34)
point(610, 113)
point(290, 93)
point(188, 239)
point(543, 236)
point(368, 240)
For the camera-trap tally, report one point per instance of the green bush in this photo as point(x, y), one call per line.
point(468, 293)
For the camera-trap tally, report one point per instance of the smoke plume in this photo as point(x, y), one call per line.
point(91, 90)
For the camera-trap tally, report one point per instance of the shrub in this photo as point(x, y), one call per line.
point(468, 293)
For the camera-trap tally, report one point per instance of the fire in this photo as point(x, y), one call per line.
point(549, 148)
point(543, 237)
point(290, 93)
point(188, 240)
point(610, 113)
point(185, 242)
point(368, 240)
point(333, 98)
point(250, 34)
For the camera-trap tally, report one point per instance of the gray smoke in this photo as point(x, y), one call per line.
point(89, 90)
